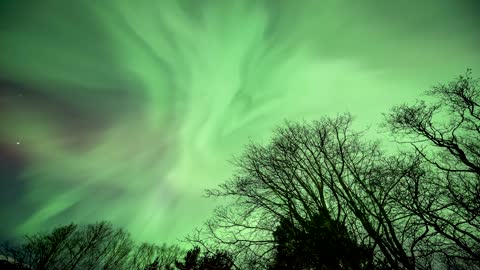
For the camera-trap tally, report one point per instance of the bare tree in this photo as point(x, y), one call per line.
point(149, 256)
point(307, 169)
point(96, 246)
point(93, 246)
point(445, 134)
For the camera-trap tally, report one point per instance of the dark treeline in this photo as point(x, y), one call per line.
point(101, 246)
point(321, 195)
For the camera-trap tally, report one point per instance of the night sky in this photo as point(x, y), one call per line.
point(127, 110)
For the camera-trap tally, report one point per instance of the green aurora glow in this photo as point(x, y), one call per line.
point(135, 107)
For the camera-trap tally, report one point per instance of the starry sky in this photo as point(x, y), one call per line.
point(127, 110)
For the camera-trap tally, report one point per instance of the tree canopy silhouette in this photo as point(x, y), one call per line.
point(411, 209)
point(445, 135)
point(93, 246)
point(322, 244)
point(194, 260)
point(308, 169)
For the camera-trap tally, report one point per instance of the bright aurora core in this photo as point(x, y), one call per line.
point(127, 110)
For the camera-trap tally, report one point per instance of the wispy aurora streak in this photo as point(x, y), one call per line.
point(131, 108)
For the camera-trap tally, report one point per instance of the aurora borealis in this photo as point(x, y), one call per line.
point(127, 110)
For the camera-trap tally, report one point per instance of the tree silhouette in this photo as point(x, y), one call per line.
point(445, 198)
point(193, 260)
point(93, 246)
point(322, 244)
point(153, 257)
point(305, 170)
point(74, 247)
